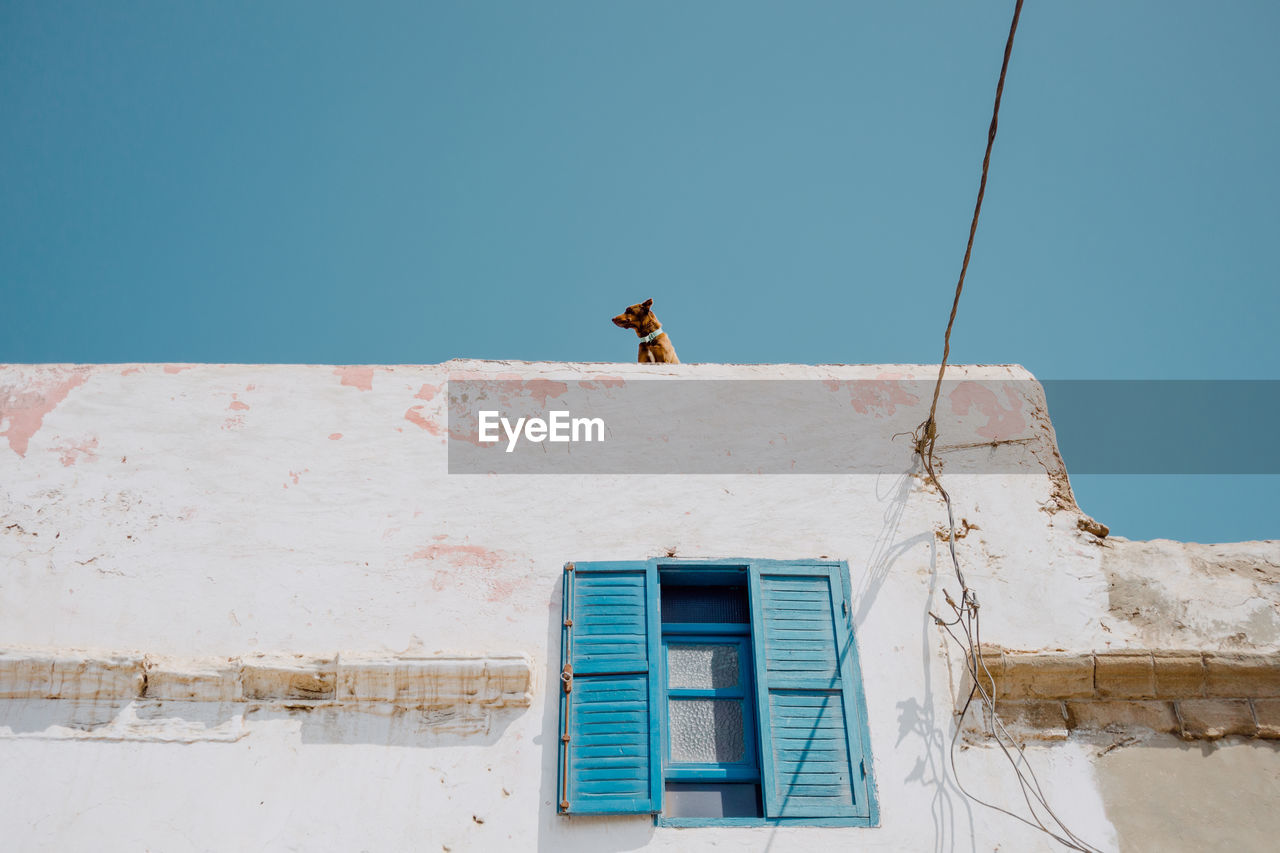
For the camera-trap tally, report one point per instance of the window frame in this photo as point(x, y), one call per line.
point(851, 689)
point(747, 770)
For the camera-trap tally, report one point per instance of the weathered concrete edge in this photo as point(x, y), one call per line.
point(489, 681)
point(1196, 695)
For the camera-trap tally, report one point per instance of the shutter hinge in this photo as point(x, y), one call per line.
point(566, 677)
point(568, 567)
point(564, 806)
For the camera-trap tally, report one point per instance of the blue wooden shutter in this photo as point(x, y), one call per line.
point(814, 763)
point(610, 760)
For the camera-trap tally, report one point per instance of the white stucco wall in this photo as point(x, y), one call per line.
point(226, 510)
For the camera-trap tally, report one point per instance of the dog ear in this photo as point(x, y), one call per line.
point(648, 303)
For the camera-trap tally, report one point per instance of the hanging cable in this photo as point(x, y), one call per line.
point(967, 611)
point(930, 427)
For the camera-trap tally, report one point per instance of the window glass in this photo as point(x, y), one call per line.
point(706, 731)
point(702, 665)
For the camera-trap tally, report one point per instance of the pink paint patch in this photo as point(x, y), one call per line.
point(427, 392)
point(502, 590)
point(415, 417)
point(601, 382)
point(130, 370)
point(356, 377)
point(71, 452)
point(1001, 423)
point(334, 436)
point(544, 389)
point(880, 397)
point(472, 556)
point(237, 405)
point(177, 368)
point(22, 411)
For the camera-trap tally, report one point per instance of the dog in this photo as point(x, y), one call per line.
point(655, 346)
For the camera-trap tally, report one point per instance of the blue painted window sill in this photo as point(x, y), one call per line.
point(691, 822)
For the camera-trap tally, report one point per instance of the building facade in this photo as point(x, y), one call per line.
point(287, 607)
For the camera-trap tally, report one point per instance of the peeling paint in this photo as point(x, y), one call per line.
point(459, 555)
point(70, 452)
point(360, 378)
point(544, 389)
point(23, 409)
point(602, 382)
point(297, 475)
point(414, 416)
point(879, 397)
point(1002, 423)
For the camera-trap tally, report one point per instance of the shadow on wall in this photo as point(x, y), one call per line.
point(917, 720)
point(604, 833)
point(121, 720)
point(916, 716)
point(886, 550)
point(226, 722)
point(383, 725)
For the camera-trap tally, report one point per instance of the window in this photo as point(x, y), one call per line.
point(713, 694)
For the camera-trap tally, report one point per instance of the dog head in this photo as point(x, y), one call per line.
point(635, 316)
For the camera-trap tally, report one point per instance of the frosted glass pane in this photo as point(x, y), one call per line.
point(702, 666)
point(706, 730)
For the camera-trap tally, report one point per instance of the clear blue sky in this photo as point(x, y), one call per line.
point(791, 182)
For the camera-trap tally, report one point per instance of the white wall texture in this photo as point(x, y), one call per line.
point(198, 513)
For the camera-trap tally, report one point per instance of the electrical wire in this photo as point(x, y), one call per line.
point(931, 431)
point(967, 612)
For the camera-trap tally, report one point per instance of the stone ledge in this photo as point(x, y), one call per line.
point(1210, 719)
point(1128, 674)
point(1192, 719)
point(1197, 695)
point(492, 681)
point(64, 674)
point(1266, 712)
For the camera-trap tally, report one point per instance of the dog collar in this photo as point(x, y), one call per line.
point(650, 337)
